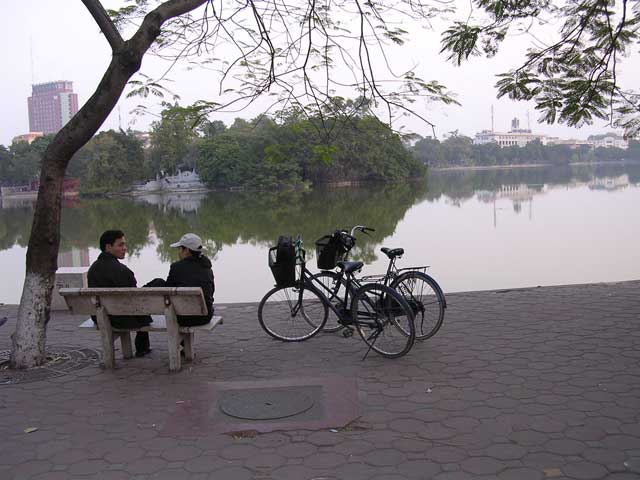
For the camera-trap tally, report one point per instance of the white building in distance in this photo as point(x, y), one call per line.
point(517, 136)
point(608, 140)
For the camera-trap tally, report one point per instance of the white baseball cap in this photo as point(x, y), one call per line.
point(190, 241)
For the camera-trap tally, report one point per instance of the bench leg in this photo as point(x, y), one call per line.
point(125, 342)
point(106, 335)
point(187, 338)
point(173, 338)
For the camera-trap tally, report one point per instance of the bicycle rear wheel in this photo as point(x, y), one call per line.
point(425, 298)
point(292, 314)
point(383, 319)
point(334, 289)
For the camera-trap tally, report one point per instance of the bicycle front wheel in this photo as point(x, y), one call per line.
point(333, 287)
point(292, 314)
point(425, 298)
point(383, 319)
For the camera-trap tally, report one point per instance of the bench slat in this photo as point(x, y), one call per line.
point(135, 301)
point(159, 325)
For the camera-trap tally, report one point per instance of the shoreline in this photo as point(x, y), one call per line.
point(531, 165)
point(501, 290)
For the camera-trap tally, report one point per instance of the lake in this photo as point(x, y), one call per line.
point(478, 230)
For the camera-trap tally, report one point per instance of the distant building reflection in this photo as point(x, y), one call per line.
point(518, 194)
point(183, 202)
point(609, 183)
point(76, 257)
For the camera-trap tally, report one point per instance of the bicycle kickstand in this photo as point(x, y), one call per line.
point(374, 337)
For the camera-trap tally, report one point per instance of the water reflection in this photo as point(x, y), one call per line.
point(183, 202)
point(238, 226)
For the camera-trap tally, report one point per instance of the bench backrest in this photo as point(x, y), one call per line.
point(135, 301)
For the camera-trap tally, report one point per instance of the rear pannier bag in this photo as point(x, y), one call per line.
point(282, 261)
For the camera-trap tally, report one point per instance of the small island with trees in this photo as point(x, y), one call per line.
point(346, 146)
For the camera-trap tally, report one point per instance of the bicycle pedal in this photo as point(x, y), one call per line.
point(344, 322)
point(347, 332)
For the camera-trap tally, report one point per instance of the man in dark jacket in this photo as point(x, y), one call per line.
point(108, 272)
point(192, 270)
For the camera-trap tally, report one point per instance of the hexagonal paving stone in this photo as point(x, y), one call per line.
point(419, 469)
point(482, 465)
point(384, 457)
point(180, 453)
point(584, 470)
point(296, 450)
point(521, 474)
point(146, 465)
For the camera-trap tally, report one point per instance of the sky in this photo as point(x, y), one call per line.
point(48, 40)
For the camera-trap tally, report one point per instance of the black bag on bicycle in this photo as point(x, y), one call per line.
point(331, 249)
point(282, 261)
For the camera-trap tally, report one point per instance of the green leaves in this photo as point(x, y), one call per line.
point(572, 80)
point(460, 40)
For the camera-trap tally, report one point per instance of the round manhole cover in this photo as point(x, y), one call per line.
point(61, 360)
point(265, 404)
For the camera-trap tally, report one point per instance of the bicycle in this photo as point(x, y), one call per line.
point(297, 309)
point(421, 291)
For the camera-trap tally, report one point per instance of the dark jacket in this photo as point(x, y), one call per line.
point(108, 272)
point(194, 272)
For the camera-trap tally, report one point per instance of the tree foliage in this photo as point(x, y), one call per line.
point(21, 162)
point(110, 162)
point(460, 151)
point(265, 154)
point(572, 79)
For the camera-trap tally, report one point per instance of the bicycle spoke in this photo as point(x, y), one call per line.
point(292, 313)
point(377, 310)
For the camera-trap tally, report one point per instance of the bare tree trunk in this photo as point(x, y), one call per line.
point(29, 339)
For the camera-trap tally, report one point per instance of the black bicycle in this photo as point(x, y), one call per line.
point(421, 291)
point(297, 308)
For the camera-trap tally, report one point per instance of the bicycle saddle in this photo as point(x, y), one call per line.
point(392, 252)
point(349, 267)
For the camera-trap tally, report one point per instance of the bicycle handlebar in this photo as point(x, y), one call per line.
point(362, 229)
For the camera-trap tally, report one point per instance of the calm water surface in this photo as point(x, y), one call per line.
point(478, 230)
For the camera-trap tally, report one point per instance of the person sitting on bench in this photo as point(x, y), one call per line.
point(192, 270)
point(108, 272)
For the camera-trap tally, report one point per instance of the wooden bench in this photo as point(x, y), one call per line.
point(164, 304)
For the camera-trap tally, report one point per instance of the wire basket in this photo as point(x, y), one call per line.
point(329, 252)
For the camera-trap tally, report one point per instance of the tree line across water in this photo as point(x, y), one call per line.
point(290, 151)
point(459, 151)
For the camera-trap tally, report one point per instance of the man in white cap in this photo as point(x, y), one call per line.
point(192, 270)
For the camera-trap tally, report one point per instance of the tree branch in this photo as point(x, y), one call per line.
point(150, 28)
point(107, 27)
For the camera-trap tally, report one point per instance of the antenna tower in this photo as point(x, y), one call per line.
point(492, 118)
point(31, 54)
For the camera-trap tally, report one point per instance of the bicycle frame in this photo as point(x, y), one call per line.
point(342, 311)
point(392, 271)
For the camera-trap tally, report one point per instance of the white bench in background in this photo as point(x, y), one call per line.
point(166, 301)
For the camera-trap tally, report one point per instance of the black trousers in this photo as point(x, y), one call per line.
point(142, 342)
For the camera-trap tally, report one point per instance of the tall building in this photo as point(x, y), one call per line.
point(51, 105)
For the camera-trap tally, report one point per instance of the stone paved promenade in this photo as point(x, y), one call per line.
point(522, 384)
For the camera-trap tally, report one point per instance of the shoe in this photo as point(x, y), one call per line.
point(142, 353)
